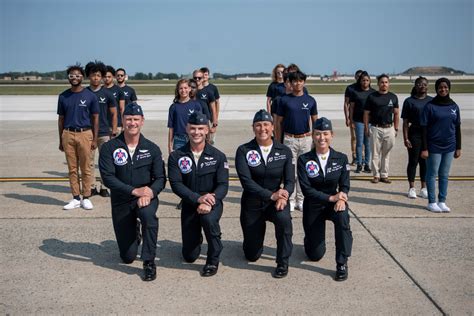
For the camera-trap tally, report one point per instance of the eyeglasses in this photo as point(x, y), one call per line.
point(197, 78)
point(71, 76)
point(118, 75)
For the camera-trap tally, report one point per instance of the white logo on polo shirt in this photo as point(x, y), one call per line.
point(390, 103)
point(191, 111)
point(126, 94)
point(453, 112)
point(102, 100)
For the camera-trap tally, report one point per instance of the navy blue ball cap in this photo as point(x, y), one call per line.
point(322, 124)
point(261, 116)
point(133, 109)
point(197, 118)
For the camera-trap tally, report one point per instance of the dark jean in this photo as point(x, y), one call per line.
point(438, 165)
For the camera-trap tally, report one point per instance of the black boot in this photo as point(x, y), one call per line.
point(281, 271)
point(358, 169)
point(342, 272)
point(149, 270)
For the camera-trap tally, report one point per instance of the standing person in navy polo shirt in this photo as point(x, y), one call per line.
point(78, 125)
point(117, 93)
point(276, 87)
point(128, 92)
point(178, 115)
point(381, 111)
point(295, 116)
point(411, 115)
point(207, 97)
point(95, 71)
point(441, 130)
point(211, 88)
point(347, 95)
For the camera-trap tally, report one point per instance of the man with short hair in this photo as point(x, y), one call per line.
point(295, 116)
point(211, 88)
point(128, 92)
point(208, 99)
point(199, 175)
point(133, 168)
point(117, 93)
point(381, 110)
point(347, 95)
point(78, 125)
point(95, 71)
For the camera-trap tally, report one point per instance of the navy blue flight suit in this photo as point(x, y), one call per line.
point(259, 181)
point(317, 188)
point(190, 181)
point(122, 173)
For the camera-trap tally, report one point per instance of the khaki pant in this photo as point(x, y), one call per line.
point(100, 141)
point(298, 146)
point(77, 147)
point(381, 143)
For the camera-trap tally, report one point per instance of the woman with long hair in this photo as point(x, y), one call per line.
point(277, 86)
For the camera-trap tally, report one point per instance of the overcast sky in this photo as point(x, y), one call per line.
point(236, 36)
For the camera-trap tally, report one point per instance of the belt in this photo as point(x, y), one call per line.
point(383, 125)
point(298, 135)
point(77, 130)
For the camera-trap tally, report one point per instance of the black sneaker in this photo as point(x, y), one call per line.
point(94, 192)
point(341, 272)
point(149, 270)
point(104, 193)
point(281, 271)
point(367, 169)
point(358, 169)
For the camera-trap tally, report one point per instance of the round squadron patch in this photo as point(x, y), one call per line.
point(312, 168)
point(185, 164)
point(253, 158)
point(120, 156)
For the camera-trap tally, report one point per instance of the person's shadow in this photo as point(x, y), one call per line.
point(103, 255)
point(106, 255)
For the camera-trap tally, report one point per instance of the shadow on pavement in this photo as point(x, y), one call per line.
point(57, 173)
point(34, 199)
point(48, 187)
point(104, 255)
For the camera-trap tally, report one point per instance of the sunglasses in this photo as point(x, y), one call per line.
point(71, 76)
point(197, 78)
point(120, 75)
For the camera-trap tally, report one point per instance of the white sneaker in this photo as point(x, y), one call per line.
point(87, 204)
point(424, 193)
point(72, 205)
point(292, 206)
point(433, 207)
point(444, 207)
point(412, 193)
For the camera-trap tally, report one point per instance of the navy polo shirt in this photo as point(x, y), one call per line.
point(441, 122)
point(118, 95)
point(206, 97)
point(413, 108)
point(296, 112)
point(276, 89)
point(77, 108)
point(106, 101)
point(129, 94)
point(212, 89)
point(179, 113)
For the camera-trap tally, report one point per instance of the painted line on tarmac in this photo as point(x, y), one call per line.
point(412, 278)
point(354, 178)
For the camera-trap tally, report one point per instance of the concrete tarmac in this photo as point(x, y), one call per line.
point(405, 259)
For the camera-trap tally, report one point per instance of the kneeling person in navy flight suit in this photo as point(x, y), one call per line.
point(133, 168)
point(324, 178)
point(263, 166)
point(199, 175)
